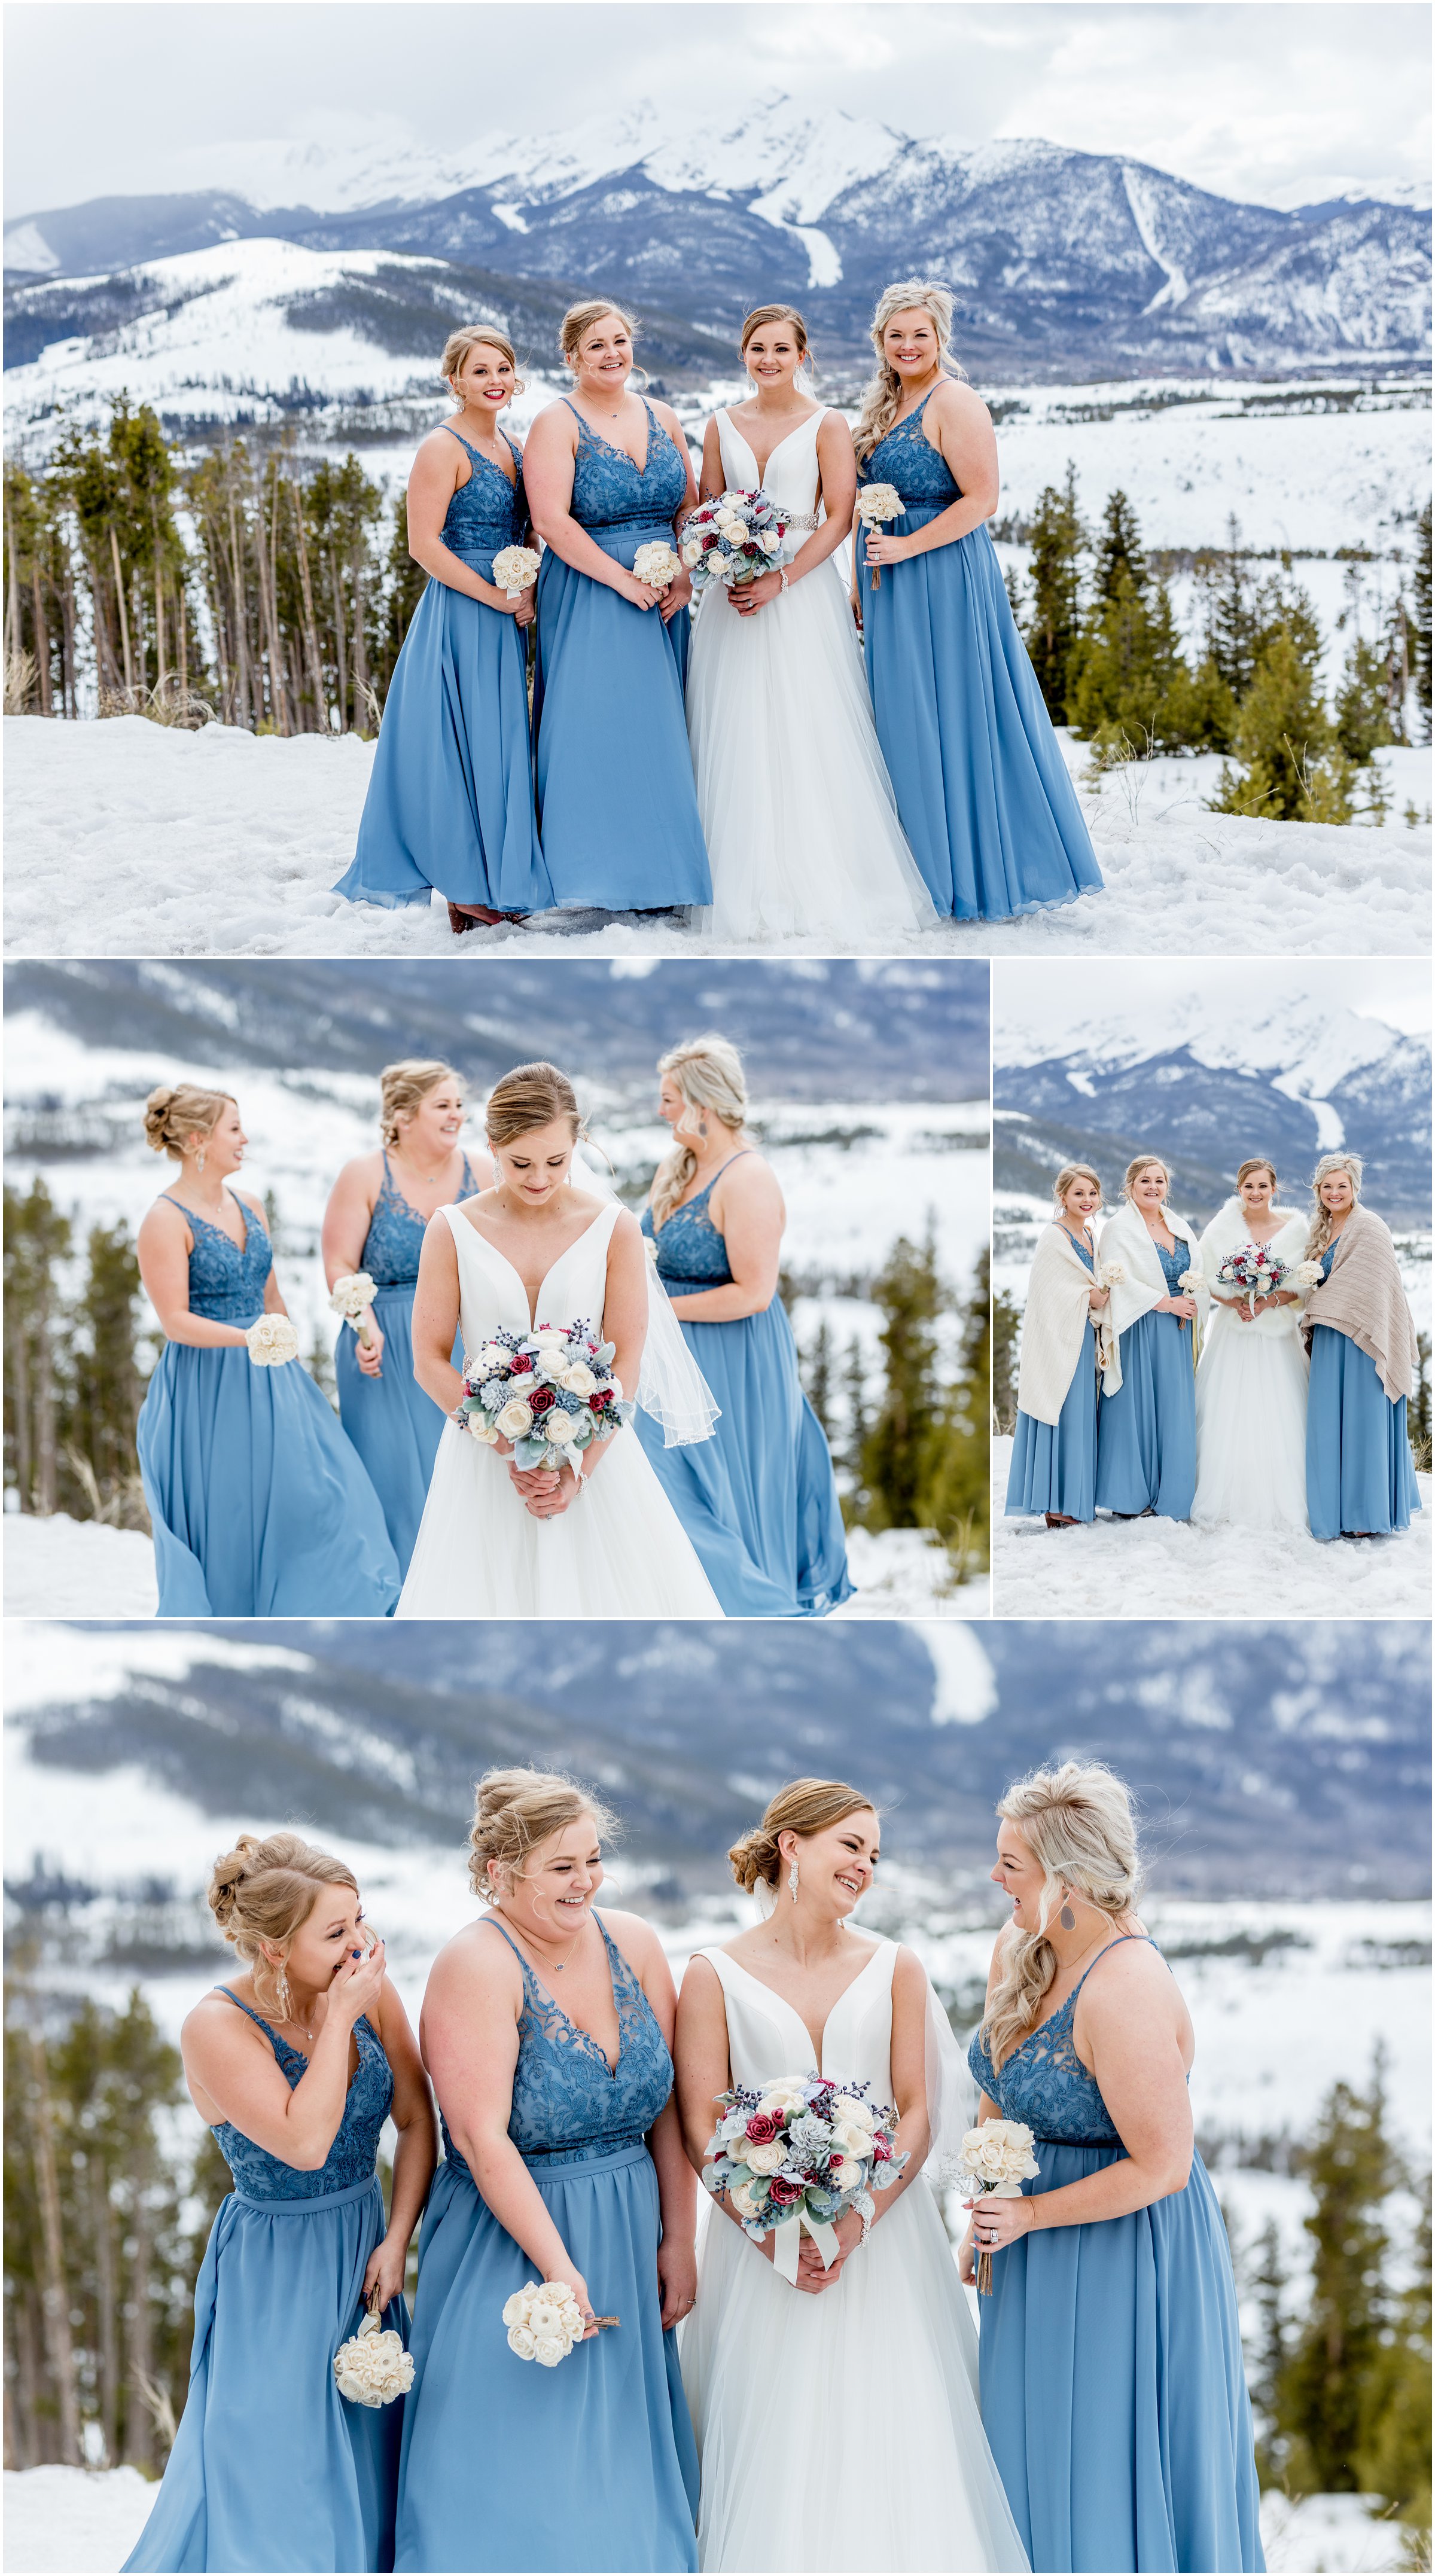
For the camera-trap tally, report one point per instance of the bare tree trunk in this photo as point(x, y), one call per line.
point(22, 2378)
point(106, 666)
point(107, 2300)
point(67, 610)
point(139, 2337)
point(361, 644)
point(18, 1351)
point(311, 631)
point(14, 642)
point(341, 641)
point(42, 643)
point(183, 649)
point(55, 2295)
point(45, 1479)
point(120, 601)
point(159, 638)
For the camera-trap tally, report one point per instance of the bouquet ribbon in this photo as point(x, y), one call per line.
point(997, 2191)
point(787, 2242)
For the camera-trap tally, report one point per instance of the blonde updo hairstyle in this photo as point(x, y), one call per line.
point(531, 1096)
point(803, 1807)
point(514, 1812)
point(1257, 1163)
point(581, 317)
point(764, 313)
point(476, 335)
point(1319, 1235)
point(1077, 1822)
point(183, 1113)
point(882, 393)
point(264, 1890)
point(1145, 1163)
point(708, 1072)
point(1068, 1173)
point(403, 1086)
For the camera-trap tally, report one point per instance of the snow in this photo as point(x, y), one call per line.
point(1336, 2532)
point(131, 839)
point(1161, 1569)
point(904, 1574)
point(1315, 1038)
point(64, 1569)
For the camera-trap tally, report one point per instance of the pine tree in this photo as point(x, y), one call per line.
point(1420, 617)
point(1006, 1324)
point(1362, 706)
point(1324, 2390)
point(1232, 615)
point(37, 1357)
point(1057, 542)
point(1289, 764)
point(1417, 1411)
point(1120, 562)
point(1268, 2370)
point(818, 1377)
point(854, 1381)
point(407, 582)
point(1394, 2459)
point(909, 1294)
point(954, 1495)
point(108, 1389)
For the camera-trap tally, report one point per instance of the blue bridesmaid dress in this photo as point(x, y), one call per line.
point(393, 1425)
point(616, 799)
point(982, 790)
point(759, 1499)
point(1146, 1437)
point(1112, 2383)
point(260, 1507)
point(271, 2467)
point(591, 2464)
point(450, 801)
point(1053, 1464)
point(1359, 1474)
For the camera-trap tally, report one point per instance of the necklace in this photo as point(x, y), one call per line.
point(558, 1965)
point(428, 1178)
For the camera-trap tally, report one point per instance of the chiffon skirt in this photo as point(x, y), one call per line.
point(260, 1506)
point(1250, 1426)
point(510, 2465)
point(842, 2433)
point(1146, 1439)
point(1359, 1474)
point(1053, 1464)
point(1113, 2388)
point(450, 801)
point(271, 2467)
point(393, 1425)
point(758, 1500)
point(983, 792)
point(616, 800)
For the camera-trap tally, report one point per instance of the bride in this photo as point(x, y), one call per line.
point(1251, 1380)
point(499, 1543)
point(837, 2420)
point(797, 808)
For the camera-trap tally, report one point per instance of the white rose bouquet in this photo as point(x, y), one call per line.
point(515, 568)
point(876, 504)
point(996, 2160)
point(351, 1297)
point(1306, 1274)
point(731, 540)
point(372, 2368)
point(272, 1341)
point(656, 564)
point(550, 1392)
point(794, 2156)
point(545, 2322)
point(1253, 1272)
point(1109, 1274)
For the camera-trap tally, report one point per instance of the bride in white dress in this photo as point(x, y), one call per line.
point(797, 808)
point(837, 2422)
point(1253, 1372)
point(497, 1543)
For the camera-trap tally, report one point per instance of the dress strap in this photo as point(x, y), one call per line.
point(207, 1221)
point(463, 442)
point(1100, 1955)
point(468, 1186)
point(274, 2041)
point(717, 1176)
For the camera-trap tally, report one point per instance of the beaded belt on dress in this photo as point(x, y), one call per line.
point(801, 519)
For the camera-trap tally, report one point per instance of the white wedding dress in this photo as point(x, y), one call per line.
point(843, 2431)
point(1251, 1395)
point(797, 808)
point(618, 1552)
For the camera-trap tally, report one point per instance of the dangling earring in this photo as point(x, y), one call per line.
point(702, 1127)
point(792, 1880)
point(1066, 1918)
point(281, 1988)
point(199, 1159)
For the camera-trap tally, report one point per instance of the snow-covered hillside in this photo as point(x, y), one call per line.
point(125, 839)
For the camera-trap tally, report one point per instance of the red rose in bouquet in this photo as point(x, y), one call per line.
point(763, 2127)
point(783, 2193)
point(541, 1399)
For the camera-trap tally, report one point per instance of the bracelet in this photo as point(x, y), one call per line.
point(866, 2224)
point(782, 576)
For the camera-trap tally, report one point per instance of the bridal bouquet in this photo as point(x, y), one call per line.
point(796, 2155)
point(656, 564)
point(351, 1297)
point(272, 1341)
point(515, 568)
point(372, 2368)
point(545, 2322)
point(876, 504)
point(731, 540)
point(1254, 1271)
point(550, 1392)
point(996, 2160)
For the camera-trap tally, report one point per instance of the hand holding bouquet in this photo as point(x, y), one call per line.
point(996, 2159)
point(793, 2157)
point(351, 1297)
point(1306, 1275)
point(551, 1393)
point(272, 1341)
point(515, 569)
point(876, 504)
point(1253, 1272)
point(545, 2322)
point(372, 2368)
point(731, 540)
point(656, 564)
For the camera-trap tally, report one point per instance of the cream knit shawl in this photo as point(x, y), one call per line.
point(1054, 1326)
point(1125, 1239)
point(1365, 1298)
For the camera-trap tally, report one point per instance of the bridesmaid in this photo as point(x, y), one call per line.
point(375, 1220)
point(607, 473)
point(295, 2067)
point(450, 801)
point(758, 1500)
point(981, 786)
point(1113, 2391)
point(260, 1506)
point(1364, 1364)
point(1146, 1445)
point(1063, 1350)
point(563, 2162)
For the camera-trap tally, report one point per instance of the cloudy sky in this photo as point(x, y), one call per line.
point(1280, 101)
point(1050, 996)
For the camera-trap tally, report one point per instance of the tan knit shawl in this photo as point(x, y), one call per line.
point(1365, 1298)
point(1053, 1326)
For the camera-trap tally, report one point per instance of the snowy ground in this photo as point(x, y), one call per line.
point(128, 839)
point(1157, 1569)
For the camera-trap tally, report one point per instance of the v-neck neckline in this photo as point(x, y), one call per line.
point(818, 412)
point(612, 444)
point(549, 1996)
point(774, 1997)
point(517, 1274)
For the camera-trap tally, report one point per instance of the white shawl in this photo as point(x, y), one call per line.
point(1053, 1327)
point(1229, 1227)
point(1124, 1239)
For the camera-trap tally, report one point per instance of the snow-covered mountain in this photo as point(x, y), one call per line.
point(1207, 1082)
point(1062, 261)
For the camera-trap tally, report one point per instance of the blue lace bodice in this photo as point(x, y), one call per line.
point(609, 490)
point(907, 459)
point(396, 1232)
point(1173, 1263)
point(566, 2101)
point(1043, 2081)
point(1082, 1249)
point(1326, 1258)
point(226, 1284)
point(691, 1252)
point(487, 511)
point(352, 2158)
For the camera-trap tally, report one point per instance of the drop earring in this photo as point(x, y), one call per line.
point(199, 1160)
point(1066, 1918)
point(792, 1882)
point(703, 1129)
point(281, 1988)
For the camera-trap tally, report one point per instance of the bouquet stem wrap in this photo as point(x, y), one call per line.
point(993, 2191)
point(787, 2244)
